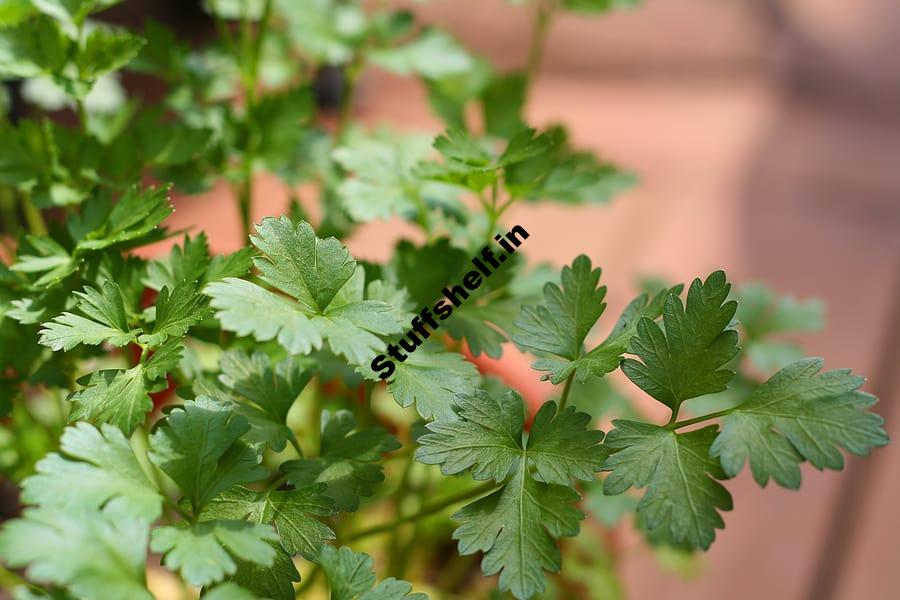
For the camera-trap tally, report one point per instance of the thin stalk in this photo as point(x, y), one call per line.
point(8, 212)
point(402, 493)
point(425, 511)
point(493, 214)
point(352, 72)
point(544, 12)
point(250, 49)
point(406, 550)
point(564, 399)
point(277, 483)
point(673, 424)
point(33, 216)
point(296, 445)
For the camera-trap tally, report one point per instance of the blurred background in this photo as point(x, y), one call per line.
point(766, 135)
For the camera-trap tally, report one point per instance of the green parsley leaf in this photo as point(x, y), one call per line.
point(432, 55)
point(607, 356)
point(176, 312)
point(560, 325)
point(348, 461)
point(471, 163)
point(488, 438)
point(517, 524)
point(105, 321)
point(229, 591)
point(799, 414)
point(191, 262)
point(95, 467)
point(431, 379)
point(13, 12)
point(33, 48)
point(685, 358)
point(515, 527)
point(72, 12)
point(385, 183)
point(292, 512)
point(311, 271)
point(275, 582)
point(119, 397)
point(95, 554)
point(202, 553)
point(105, 50)
point(683, 498)
point(325, 30)
point(352, 577)
point(49, 258)
point(199, 447)
point(272, 390)
point(132, 221)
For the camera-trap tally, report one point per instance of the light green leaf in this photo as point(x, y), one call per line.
point(682, 499)
point(202, 553)
point(13, 12)
point(105, 321)
point(49, 258)
point(799, 414)
point(72, 12)
point(326, 30)
point(229, 591)
point(32, 48)
point(384, 182)
point(94, 554)
point(113, 396)
point(105, 50)
point(95, 467)
point(312, 271)
point(431, 380)
point(432, 55)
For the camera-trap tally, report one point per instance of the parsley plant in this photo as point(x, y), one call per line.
point(219, 415)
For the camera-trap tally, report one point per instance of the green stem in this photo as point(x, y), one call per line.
point(425, 511)
point(405, 552)
point(8, 212)
point(402, 493)
point(10, 579)
point(493, 214)
point(352, 72)
point(251, 49)
point(543, 17)
point(244, 195)
point(296, 445)
point(33, 217)
point(277, 483)
point(673, 424)
point(564, 399)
